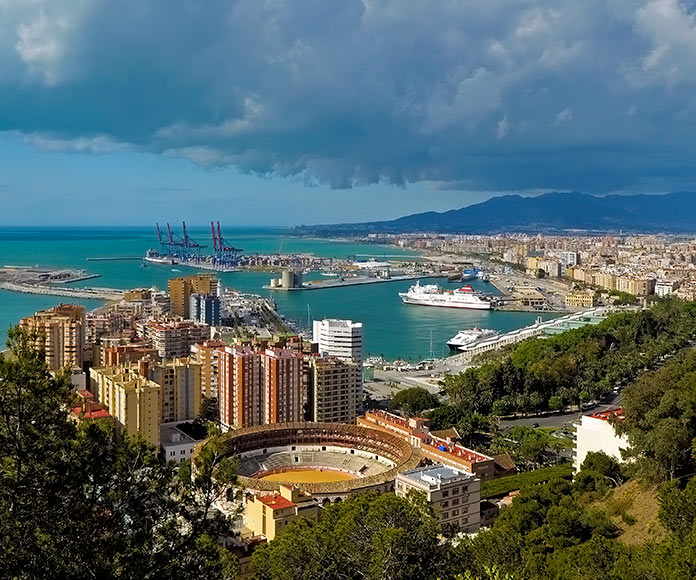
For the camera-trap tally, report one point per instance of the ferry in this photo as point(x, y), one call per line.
point(433, 295)
point(470, 336)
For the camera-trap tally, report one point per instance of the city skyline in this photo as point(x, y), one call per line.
point(368, 110)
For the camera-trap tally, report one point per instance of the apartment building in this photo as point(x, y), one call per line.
point(283, 397)
point(180, 290)
point(180, 382)
point(132, 399)
point(334, 390)
point(206, 354)
point(121, 354)
point(205, 308)
point(60, 333)
point(174, 339)
point(240, 386)
point(342, 339)
point(455, 495)
point(258, 387)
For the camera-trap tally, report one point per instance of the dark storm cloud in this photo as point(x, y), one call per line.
point(484, 94)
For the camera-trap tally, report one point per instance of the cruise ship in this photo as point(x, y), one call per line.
point(433, 295)
point(470, 336)
point(157, 258)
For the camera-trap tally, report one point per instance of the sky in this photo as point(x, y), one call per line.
point(281, 112)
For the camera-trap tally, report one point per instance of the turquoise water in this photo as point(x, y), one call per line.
point(392, 329)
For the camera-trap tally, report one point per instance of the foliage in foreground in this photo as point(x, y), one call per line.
point(85, 502)
point(574, 366)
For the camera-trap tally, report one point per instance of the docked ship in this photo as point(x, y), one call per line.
point(433, 295)
point(470, 336)
point(157, 258)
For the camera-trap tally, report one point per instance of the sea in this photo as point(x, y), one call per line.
point(391, 329)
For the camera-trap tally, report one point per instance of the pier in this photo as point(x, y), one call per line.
point(84, 293)
point(356, 281)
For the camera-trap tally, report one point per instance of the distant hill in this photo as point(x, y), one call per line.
point(672, 212)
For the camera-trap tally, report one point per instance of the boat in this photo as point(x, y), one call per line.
point(157, 258)
point(470, 336)
point(433, 295)
point(469, 274)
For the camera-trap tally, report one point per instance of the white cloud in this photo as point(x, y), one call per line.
point(563, 116)
point(363, 91)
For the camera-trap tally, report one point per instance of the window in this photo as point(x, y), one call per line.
point(445, 504)
point(445, 515)
point(455, 513)
point(455, 490)
point(445, 493)
point(455, 501)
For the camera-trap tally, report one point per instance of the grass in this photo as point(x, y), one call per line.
point(634, 507)
point(504, 485)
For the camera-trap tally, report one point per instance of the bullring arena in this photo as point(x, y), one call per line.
point(328, 460)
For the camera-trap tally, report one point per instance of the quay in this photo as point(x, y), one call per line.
point(356, 281)
point(112, 258)
point(85, 293)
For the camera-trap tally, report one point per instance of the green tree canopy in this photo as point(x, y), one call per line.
point(414, 400)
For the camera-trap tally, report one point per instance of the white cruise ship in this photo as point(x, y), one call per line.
point(470, 336)
point(433, 295)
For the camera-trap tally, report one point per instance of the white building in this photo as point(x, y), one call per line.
point(176, 445)
point(595, 432)
point(664, 288)
point(456, 495)
point(340, 338)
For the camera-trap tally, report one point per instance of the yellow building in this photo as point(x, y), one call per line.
point(180, 290)
point(207, 355)
point(581, 299)
point(131, 398)
point(180, 395)
point(267, 515)
point(60, 333)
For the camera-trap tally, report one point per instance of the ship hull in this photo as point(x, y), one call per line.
point(461, 305)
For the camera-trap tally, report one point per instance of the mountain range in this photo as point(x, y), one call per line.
point(550, 212)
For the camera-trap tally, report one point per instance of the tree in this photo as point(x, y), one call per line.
point(414, 400)
point(87, 501)
point(373, 536)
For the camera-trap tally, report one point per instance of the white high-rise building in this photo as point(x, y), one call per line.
point(342, 339)
point(339, 338)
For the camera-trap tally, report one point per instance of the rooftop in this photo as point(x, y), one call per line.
point(436, 475)
point(275, 501)
point(608, 414)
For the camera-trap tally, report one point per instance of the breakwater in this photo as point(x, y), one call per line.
point(89, 293)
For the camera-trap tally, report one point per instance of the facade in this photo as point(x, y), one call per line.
point(113, 356)
point(240, 389)
point(664, 288)
point(581, 299)
point(283, 397)
point(131, 398)
point(416, 431)
point(334, 390)
point(174, 339)
point(267, 515)
point(596, 432)
point(180, 395)
point(339, 338)
point(176, 444)
point(205, 308)
point(180, 290)
point(258, 387)
point(206, 354)
point(342, 339)
point(455, 495)
point(60, 333)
